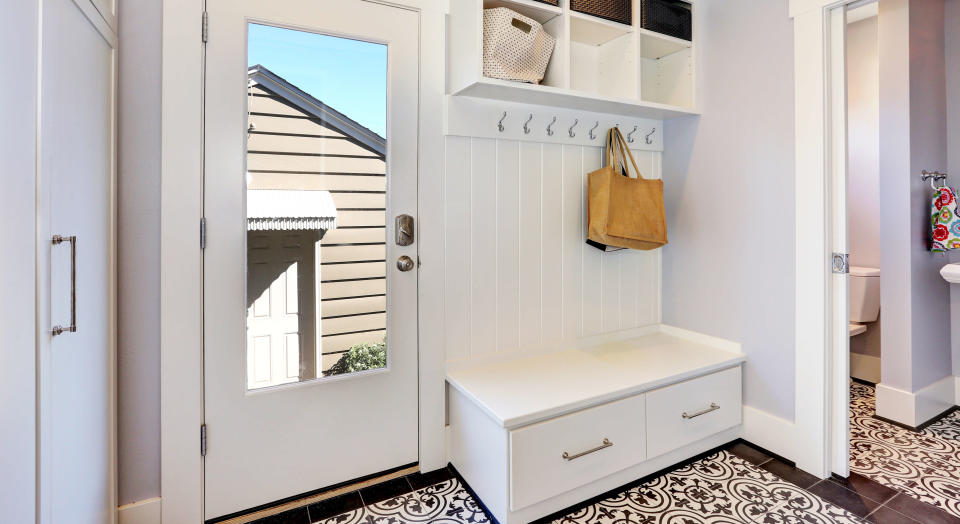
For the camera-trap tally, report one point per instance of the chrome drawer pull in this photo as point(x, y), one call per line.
point(606, 444)
point(713, 407)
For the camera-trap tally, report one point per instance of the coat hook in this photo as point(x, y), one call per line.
point(575, 122)
point(630, 134)
point(647, 138)
point(500, 123)
point(550, 131)
point(593, 136)
point(526, 128)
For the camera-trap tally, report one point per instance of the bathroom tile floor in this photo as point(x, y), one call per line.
point(922, 464)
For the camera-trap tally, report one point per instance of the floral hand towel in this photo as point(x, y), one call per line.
point(944, 220)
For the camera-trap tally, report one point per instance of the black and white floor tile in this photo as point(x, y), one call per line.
point(444, 503)
point(924, 465)
point(719, 489)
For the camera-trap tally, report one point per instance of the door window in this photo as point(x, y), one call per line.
point(316, 185)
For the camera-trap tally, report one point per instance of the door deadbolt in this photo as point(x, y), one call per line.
point(405, 233)
point(405, 263)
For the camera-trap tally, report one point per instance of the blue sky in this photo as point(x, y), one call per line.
point(347, 75)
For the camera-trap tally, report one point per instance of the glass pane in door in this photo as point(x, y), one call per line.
point(316, 186)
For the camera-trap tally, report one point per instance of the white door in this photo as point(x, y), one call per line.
point(310, 137)
point(76, 163)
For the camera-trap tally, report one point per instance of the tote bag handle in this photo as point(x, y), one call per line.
point(617, 153)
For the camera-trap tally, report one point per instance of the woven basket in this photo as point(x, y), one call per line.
point(616, 10)
point(668, 17)
point(514, 47)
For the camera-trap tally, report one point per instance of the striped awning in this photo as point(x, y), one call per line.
point(287, 210)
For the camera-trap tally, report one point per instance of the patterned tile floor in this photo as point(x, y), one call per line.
point(897, 476)
point(924, 464)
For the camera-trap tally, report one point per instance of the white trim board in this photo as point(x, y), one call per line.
point(478, 118)
point(865, 367)
point(141, 512)
point(914, 409)
point(769, 432)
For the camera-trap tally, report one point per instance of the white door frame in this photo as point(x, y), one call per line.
point(821, 365)
point(181, 275)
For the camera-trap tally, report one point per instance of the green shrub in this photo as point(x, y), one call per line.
point(361, 357)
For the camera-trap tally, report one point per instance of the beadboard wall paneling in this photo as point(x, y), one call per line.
point(518, 274)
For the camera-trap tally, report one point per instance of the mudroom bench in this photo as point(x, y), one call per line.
point(536, 434)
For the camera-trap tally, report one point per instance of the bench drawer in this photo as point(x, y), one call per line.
point(597, 441)
point(689, 411)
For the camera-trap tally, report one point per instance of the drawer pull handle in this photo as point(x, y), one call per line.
point(606, 444)
point(713, 407)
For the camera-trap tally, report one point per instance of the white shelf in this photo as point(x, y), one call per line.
point(657, 45)
point(597, 65)
point(497, 89)
point(591, 30)
point(538, 11)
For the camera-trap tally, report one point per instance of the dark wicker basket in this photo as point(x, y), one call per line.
point(616, 10)
point(669, 17)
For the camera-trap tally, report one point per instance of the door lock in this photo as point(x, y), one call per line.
point(841, 263)
point(405, 233)
point(405, 263)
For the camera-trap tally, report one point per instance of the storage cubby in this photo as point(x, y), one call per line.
point(597, 64)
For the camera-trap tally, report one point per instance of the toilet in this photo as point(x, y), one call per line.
point(864, 298)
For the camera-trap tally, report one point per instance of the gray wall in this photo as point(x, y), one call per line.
point(952, 30)
point(18, 54)
point(916, 338)
point(138, 343)
point(729, 269)
point(863, 121)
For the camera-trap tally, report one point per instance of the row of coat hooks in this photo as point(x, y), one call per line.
point(933, 177)
point(572, 130)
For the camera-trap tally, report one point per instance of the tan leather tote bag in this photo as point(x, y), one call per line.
point(622, 211)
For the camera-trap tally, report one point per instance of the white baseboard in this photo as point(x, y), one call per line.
point(913, 409)
point(865, 367)
point(141, 512)
point(769, 432)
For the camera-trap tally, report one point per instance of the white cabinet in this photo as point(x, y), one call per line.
point(563, 453)
point(597, 65)
point(537, 434)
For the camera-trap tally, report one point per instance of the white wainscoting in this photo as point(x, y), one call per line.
point(517, 274)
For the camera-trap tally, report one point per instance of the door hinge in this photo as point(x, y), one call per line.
point(841, 263)
point(205, 27)
point(203, 233)
point(203, 440)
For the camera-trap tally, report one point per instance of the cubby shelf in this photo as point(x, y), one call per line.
point(597, 64)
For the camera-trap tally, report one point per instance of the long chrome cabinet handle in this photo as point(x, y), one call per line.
point(72, 328)
point(713, 407)
point(606, 444)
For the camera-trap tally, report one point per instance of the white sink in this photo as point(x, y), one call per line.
point(951, 273)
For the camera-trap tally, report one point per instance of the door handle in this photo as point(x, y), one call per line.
point(72, 328)
point(405, 230)
point(405, 263)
